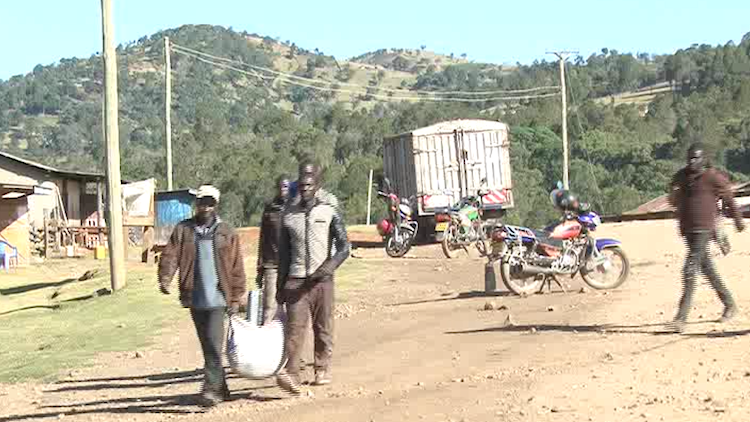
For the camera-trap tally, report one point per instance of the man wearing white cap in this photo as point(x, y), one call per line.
point(212, 281)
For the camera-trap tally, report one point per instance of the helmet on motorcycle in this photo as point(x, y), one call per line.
point(384, 227)
point(564, 200)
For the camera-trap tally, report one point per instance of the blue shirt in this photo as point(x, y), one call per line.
point(206, 292)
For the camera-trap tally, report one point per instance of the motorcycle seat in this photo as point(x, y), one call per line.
point(544, 237)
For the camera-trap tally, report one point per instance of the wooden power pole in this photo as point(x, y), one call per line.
point(563, 56)
point(168, 109)
point(369, 198)
point(114, 195)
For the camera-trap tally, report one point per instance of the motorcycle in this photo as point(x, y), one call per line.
point(400, 228)
point(530, 259)
point(463, 225)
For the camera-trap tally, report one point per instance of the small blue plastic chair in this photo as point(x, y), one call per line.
point(8, 255)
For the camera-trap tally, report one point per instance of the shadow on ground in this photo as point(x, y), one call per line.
point(654, 329)
point(58, 305)
point(176, 404)
point(35, 286)
point(463, 295)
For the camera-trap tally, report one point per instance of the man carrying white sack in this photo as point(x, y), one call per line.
point(212, 283)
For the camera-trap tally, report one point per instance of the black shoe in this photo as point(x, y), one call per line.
point(729, 313)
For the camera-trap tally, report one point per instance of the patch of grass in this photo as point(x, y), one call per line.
point(51, 323)
point(40, 337)
point(352, 274)
point(361, 228)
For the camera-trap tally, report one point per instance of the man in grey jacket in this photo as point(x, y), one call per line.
point(310, 227)
point(308, 168)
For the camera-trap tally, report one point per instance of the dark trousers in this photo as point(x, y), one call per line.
point(699, 260)
point(309, 302)
point(209, 324)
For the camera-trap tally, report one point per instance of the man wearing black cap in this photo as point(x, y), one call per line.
point(206, 251)
point(695, 191)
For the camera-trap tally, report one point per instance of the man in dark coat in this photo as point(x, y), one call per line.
point(268, 247)
point(695, 190)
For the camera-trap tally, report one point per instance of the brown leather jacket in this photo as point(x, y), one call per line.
point(695, 199)
point(180, 253)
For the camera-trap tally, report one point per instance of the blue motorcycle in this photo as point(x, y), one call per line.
point(527, 259)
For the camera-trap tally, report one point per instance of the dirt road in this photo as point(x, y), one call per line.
point(417, 344)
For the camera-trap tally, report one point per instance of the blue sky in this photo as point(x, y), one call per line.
point(43, 31)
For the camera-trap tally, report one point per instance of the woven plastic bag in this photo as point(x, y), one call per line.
point(256, 351)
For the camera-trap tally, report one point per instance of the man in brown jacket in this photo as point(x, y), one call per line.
point(206, 251)
point(695, 191)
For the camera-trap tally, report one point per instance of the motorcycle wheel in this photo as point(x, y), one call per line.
point(522, 286)
point(450, 249)
point(395, 250)
point(590, 277)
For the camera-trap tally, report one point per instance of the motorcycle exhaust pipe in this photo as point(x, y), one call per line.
point(535, 270)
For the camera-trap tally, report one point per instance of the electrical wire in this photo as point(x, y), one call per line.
point(181, 49)
point(364, 90)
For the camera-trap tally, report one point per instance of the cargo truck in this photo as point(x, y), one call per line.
point(442, 163)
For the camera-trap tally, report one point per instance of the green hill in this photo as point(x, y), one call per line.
point(247, 107)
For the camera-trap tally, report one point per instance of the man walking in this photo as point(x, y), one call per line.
point(206, 251)
point(308, 168)
point(310, 228)
point(695, 191)
point(268, 248)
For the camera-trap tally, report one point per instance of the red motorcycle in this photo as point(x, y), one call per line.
point(400, 228)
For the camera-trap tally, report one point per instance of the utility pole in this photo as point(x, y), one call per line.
point(112, 140)
point(168, 109)
point(369, 198)
point(563, 56)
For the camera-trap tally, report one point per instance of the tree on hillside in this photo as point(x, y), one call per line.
point(237, 129)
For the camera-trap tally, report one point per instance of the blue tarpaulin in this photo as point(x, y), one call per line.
point(171, 208)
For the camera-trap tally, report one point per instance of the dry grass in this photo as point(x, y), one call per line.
point(51, 322)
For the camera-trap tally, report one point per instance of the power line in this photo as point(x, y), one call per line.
point(364, 89)
point(580, 131)
point(302, 78)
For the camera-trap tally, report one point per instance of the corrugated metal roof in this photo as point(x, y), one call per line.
point(43, 167)
point(448, 126)
point(661, 204)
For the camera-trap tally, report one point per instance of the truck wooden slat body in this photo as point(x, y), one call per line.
point(442, 163)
